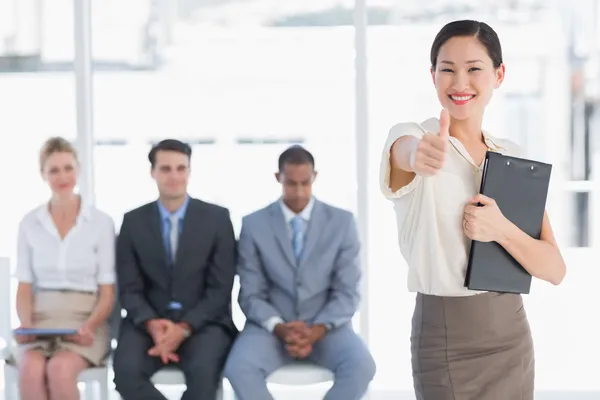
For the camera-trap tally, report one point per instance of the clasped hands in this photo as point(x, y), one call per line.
point(167, 337)
point(299, 337)
point(483, 221)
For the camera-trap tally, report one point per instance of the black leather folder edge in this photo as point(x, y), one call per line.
point(490, 266)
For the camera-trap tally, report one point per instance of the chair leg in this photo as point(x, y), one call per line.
point(104, 390)
point(90, 391)
point(10, 391)
point(220, 391)
point(11, 384)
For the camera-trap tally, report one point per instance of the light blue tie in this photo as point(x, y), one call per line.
point(297, 236)
point(173, 236)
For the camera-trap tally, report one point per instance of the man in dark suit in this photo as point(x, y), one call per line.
point(175, 269)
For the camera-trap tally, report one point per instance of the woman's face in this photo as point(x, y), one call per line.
point(465, 77)
point(60, 171)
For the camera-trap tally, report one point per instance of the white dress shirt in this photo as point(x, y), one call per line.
point(81, 261)
point(289, 215)
point(429, 212)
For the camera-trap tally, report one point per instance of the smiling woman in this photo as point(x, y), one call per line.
point(466, 64)
point(65, 269)
point(460, 336)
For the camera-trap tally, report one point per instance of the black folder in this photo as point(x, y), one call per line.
point(520, 188)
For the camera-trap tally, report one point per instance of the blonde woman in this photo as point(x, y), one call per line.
point(66, 273)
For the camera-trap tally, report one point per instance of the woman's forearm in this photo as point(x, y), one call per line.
point(542, 259)
point(104, 306)
point(25, 303)
point(401, 152)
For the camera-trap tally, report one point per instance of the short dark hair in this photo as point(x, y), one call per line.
point(169, 145)
point(295, 155)
point(480, 30)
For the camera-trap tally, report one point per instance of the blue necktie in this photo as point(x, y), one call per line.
point(297, 236)
point(173, 237)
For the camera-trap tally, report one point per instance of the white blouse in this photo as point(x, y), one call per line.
point(429, 212)
point(84, 259)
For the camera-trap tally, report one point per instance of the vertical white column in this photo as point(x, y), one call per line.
point(362, 153)
point(83, 87)
point(595, 195)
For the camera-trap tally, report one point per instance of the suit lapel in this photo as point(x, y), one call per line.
point(281, 232)
point(154, 228)
point(316, 226)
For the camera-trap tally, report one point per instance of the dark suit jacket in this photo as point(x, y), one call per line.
point(201, 278)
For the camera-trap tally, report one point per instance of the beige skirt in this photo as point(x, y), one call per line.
point(68, 310)
point(472, 348)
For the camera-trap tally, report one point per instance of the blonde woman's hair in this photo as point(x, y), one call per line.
point(55, 145)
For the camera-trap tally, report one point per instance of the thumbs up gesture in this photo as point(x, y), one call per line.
point(429, 155)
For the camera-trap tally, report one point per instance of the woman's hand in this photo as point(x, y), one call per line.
point(484, 223)
point(427, 158)
point(24, 339)
point(84, 336)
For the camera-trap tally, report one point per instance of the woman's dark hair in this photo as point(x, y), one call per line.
point(480, 30)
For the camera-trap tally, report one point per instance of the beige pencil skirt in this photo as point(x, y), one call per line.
point(472, 348)
point(66, 310)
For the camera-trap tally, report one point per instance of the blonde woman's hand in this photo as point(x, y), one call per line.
point(24, 339)
point(84, 337)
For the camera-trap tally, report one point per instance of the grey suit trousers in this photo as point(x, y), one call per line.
point(257, 353)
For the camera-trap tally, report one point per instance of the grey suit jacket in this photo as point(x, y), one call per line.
point(201, 278)
point(321, 289)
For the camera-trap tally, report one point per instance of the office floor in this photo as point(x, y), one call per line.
point(317, 392)
point(174, 393)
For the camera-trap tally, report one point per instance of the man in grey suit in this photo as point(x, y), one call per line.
point(175, 269)
point(298, 263)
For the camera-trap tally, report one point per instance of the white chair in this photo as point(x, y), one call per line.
point(300, 373)
point(168, 376)
point(90, 377)
point(173, 376)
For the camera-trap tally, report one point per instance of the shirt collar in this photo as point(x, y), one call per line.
point(433, 125)
point(85, 211)
point(305, 214)
point(180, 212)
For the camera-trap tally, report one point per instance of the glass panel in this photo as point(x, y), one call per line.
point(37, 99)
